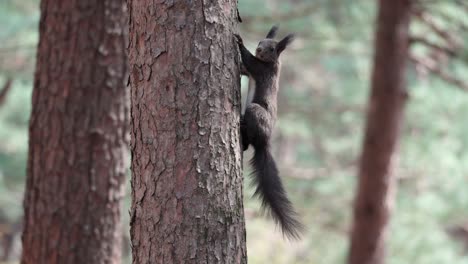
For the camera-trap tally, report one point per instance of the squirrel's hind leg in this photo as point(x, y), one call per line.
point(257, 125)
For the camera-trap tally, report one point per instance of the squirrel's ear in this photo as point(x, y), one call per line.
point(272, 33)
point(284, 43)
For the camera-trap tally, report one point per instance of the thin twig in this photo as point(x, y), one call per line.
point(442, 33)
point(459, 25)
point(448, 50)
point(6, 88)
point(432, 67)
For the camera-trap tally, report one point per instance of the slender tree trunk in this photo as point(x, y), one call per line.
point(186, 159)
point(78, 130)
point(375, 194)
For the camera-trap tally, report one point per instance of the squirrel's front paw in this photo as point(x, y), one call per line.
point(238, 39)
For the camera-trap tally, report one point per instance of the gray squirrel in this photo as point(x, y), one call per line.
point(257, 123)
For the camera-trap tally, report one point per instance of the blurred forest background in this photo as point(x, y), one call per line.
point(324, 90)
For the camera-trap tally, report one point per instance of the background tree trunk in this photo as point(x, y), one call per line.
point(186, 159)
point(385, 113)
point(78, 131)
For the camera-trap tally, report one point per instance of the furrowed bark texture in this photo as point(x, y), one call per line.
point(78, 130)
point(375, 194)
point(186, 159)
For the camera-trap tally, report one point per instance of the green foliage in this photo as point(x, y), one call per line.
point(19, 20)
point(324, 89)
point(13, 148)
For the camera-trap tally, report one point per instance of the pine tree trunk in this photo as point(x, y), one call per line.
point(376, 187)
point(186, 159)
point(78, 130)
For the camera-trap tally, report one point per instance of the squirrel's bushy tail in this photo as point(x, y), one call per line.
point(271, 192)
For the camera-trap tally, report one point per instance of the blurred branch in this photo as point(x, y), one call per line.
point(451, 47)
point(6, 88)
point(458, 24)
point(463, 4)
point(423, 3)
point(438, 30)
point(294, 14)
point(431, 66)
point(448, 50)
point(459, 232)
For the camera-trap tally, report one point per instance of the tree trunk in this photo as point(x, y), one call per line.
point(78, 129)
point(375, 194)
point(186, 159)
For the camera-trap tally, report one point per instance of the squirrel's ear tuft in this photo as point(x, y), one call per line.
point(272, 33)
point(284, 43)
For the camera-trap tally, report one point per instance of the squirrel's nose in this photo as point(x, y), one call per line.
point(259, 49)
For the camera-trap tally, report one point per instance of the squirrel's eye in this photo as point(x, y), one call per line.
point(272, 49)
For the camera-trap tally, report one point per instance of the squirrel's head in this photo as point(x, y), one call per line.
point(269, 50)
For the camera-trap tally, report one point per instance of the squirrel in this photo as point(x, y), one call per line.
point(257, 124)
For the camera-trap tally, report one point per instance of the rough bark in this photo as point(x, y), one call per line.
point(375, 193)
point(186, 159)
point(78, 130)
